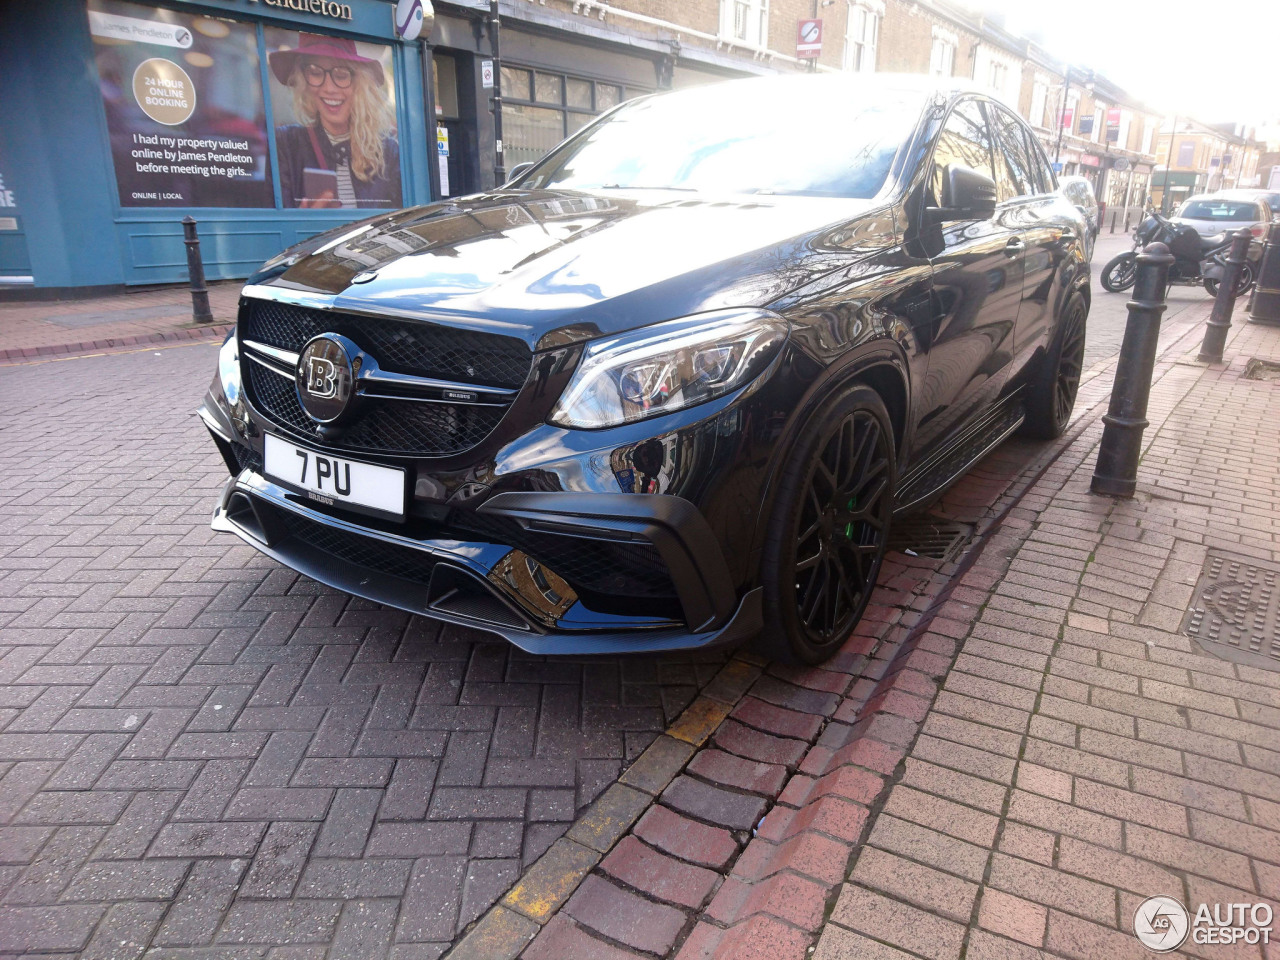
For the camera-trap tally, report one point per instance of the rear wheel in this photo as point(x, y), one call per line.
point(1051, 395)
point(829, 527)
point(1120, 272)
point(1243, 284)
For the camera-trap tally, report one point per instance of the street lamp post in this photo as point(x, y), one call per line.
point(1062, 114)
point(1168, 168)
point(499, 165)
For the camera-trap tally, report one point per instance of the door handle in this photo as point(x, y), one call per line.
point(1014, 247)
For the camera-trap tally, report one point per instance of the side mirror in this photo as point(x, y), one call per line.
point(966, 195)
point(519, 170)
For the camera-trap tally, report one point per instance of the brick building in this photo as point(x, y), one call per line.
point(1197, 158)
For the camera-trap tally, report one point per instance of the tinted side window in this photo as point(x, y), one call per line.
point(1013, 166)
point(964, 140)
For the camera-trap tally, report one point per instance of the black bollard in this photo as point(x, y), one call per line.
point(1116, 472)
point(200, 311)
point(1114, 214)
point(1265, 302)
point(1127, 214)
point(1215, 331)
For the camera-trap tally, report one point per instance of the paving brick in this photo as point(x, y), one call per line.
point(1013, 917)
point(621, 915)
point(737, 811)
point(751, 775)
point(280, 922)
point(923, 886)
point(687, 839)
point(658, 875)
point(840, 944)
point(562, 939)
point(897, 924)
point(775, 720)
point(797, 900)
point(1053, 887)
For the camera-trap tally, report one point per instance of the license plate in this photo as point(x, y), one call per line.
point(335, 481)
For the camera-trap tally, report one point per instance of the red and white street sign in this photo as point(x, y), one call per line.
point(809, 39)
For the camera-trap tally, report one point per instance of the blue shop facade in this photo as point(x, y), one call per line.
point(121, 117)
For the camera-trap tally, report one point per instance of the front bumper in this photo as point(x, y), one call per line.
point(498, 586)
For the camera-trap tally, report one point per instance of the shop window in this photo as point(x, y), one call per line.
point(189, 125)
point(539, 109)
point(444, 74)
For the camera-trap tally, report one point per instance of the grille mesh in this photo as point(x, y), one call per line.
point(386, 426)
point(403, 346)
point(365, 552)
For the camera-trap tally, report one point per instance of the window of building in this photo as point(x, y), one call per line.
point(942, 58)
point(540, 108)
point(1186, 153)
point(861, 31)
point(1099, 131)
point(1039, 97)
point(1148, 134)
point(745, 21)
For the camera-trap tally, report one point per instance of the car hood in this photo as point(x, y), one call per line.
point(527, 263)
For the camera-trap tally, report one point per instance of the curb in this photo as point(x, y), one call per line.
point(63, 351)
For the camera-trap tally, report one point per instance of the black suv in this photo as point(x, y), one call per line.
point(669, 386)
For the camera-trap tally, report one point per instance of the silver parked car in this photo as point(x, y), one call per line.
point(1270, 197)
point(1079, 190)
point(1215, 213)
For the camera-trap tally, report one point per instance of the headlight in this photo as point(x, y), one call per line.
point(669, 366)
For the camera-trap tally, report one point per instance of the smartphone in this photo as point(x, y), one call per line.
point(316, 183)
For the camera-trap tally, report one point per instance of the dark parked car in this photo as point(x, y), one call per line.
point(669, 387)
point(1080, 192)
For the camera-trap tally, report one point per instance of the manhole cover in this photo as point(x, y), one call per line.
point(1257, 369)
point(927, 537)
point(1233, 611)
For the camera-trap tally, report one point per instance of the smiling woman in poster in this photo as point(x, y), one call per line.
point(343, 151)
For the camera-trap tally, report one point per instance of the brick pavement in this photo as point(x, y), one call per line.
point(152, 315)
point(1072, 752)
point(203, 753)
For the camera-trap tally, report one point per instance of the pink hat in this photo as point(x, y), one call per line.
point(313, 45)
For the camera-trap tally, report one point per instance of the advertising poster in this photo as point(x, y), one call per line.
point(183, 99)
point(333, 104)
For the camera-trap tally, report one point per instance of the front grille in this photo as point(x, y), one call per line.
point(385, 426)
point(413, 347)
point(246, 457)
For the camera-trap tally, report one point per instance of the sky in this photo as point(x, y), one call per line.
point(1217, 60)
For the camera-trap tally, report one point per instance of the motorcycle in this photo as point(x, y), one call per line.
point(1197, 260)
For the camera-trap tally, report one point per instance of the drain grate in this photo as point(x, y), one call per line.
point(928, 537)
point(1234, 610)
point(1258, 369)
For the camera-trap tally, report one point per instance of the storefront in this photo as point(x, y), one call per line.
point(266, 120)
point(269, 121)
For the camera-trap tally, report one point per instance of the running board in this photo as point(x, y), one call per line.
point(957, 461)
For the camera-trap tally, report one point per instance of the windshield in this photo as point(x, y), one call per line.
point(763, 137)
point(1219, 210)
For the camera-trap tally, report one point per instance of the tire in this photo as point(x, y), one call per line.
point(830, 523)
point(1051, 394)
point(1243, 285)
point(1120, 272)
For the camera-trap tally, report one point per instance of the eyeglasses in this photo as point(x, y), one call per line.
point(341, 76)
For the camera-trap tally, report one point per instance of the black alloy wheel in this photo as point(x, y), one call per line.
point(1051, 395)
point(1120, 272)
point(830, 528)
